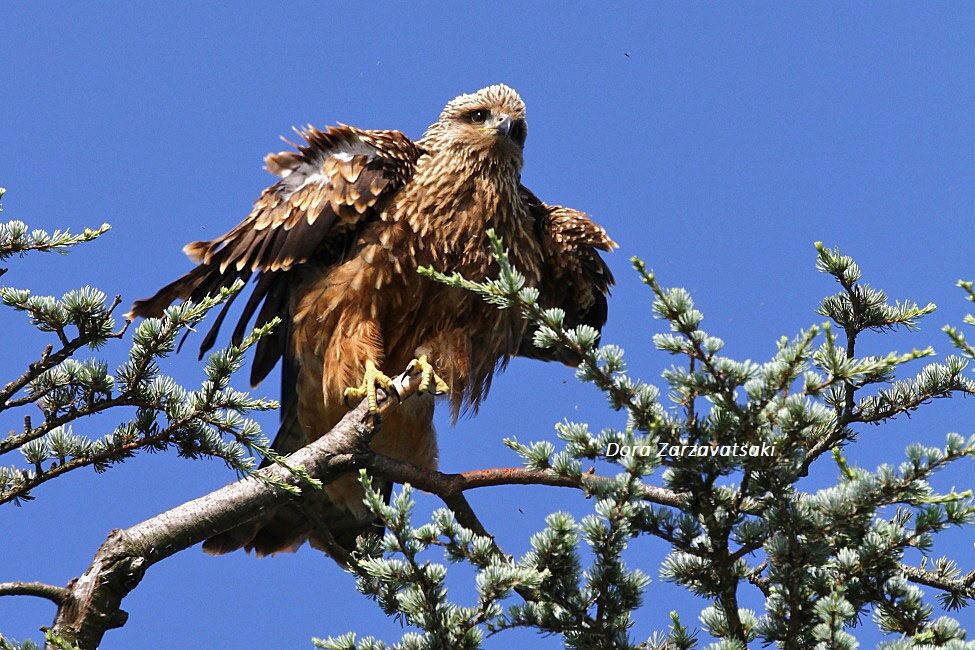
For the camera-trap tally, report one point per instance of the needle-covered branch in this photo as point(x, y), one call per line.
point(207, 421)
point(16, 238)
point(946, 577)
point(732, 504)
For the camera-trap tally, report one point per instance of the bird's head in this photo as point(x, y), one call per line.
point(490, 122)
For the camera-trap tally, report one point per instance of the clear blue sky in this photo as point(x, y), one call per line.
point(717, 142)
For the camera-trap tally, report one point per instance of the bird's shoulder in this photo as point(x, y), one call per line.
point(395, 152)
point(563, 230)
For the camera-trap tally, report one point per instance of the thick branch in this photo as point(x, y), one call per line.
point(94, 604)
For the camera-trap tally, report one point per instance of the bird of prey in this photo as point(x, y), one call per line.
point(334, 246)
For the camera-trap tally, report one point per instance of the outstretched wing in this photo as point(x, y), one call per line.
point(575, 278)
point(330, 186)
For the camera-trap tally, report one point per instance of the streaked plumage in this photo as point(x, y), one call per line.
point(334, 246)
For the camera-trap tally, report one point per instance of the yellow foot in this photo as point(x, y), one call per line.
point(372, 379)
point(427, 376)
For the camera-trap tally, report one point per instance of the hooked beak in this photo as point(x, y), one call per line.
point(513, 130)
point(505, 126)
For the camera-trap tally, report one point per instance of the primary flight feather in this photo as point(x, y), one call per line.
point(334, 247)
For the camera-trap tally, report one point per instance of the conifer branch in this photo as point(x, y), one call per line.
point(17, 239)
point(121, 562)
point(963, 586)
point(125, 556)
point(50, 358)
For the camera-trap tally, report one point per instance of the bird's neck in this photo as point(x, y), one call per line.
point(454, 199)
point(480, 189)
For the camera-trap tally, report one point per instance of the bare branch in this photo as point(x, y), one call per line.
point(446, 485)
point(57, 595)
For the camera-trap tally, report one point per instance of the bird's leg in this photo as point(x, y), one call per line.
point(427, 376)
point(372, 378)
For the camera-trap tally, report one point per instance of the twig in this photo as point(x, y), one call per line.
point(324, 534)
point(49, 359)
point(755, 577)
point(964, 586)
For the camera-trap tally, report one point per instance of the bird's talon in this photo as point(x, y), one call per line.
point(428, 376)
point(372, 379)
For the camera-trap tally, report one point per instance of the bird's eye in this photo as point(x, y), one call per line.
point(479, 116)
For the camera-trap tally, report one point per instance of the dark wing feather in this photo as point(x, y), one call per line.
point(575, 278)
point(330, 187)
point(275, 345)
